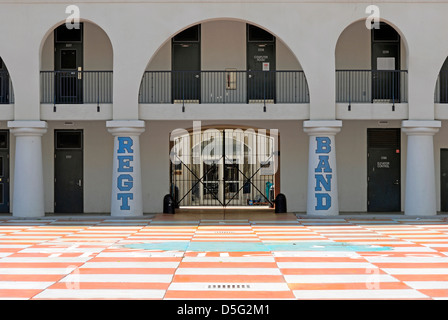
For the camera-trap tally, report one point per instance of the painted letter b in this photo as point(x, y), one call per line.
point(323, 145)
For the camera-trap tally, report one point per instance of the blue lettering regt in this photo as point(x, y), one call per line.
point(125, 181)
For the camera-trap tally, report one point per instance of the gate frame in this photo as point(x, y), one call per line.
point(199, 181)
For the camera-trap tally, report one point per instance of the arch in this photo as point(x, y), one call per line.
point(223, 19)
point(6, 84)
point(224, 47)
point(359, 76)
point(362, 23)
point(93, 65)
point(441, 86)
point(51, 29)
point(88, 22)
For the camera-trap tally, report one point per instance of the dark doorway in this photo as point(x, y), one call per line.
point(444, 180)
point(68, 171)
point(186, 65)
point(261, 65)
point(385, 64)
point(68, 64)
point(4, 171)
point(443, 82)
point(383, 170)
point(4, 83)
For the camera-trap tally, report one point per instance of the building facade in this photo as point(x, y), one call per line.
point(340, 106)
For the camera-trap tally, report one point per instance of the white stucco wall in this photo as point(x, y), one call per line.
point(98, 53)
point(132, 37)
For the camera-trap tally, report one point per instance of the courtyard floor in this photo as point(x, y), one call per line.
point(194, 256)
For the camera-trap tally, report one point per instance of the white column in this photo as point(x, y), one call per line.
point(322, 175)
point(420, 195)
point(126, 176)
point(28, 196)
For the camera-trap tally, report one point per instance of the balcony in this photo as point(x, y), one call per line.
point(371, 86)
point(224, 87)
point(371, 94)
point(90, 91)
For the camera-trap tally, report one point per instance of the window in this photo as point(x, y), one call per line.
point(256, 34)
point(68, 140)
point(189, 35)
point(385, 33)
point(63, 34)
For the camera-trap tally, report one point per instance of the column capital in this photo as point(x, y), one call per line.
point(125, 127)
point(314, 127)
point(28, 128)
point(421, 127)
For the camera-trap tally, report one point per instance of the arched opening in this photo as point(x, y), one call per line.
point(224, 61)
point(76, 65)
point(371, 65)
point(224, 167)
point(441, 90)
point(6, 90)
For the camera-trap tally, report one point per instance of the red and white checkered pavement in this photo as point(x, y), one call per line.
point(88, 259)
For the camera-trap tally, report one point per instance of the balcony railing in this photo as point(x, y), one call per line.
point(6, 91)
point(76, 87)
point(441, 92)
point(371, 86)
point(220, 87)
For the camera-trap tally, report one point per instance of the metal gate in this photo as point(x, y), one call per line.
point(226, 167)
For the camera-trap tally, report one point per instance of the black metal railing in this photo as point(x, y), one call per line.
point(76, 87)
point(230, 86)
point(6, 91)
point(371, 86)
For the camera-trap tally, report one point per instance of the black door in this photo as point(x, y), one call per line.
point(261, 64)
point(385, 74)
point(444, 179)
point(4, 84)
point(186, 66)
point(68, 65)
point(384, 170)
point(385, 64)
point(68, 171)
point(4, 171)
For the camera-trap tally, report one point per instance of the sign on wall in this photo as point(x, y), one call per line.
point(125, 180)
point(323, 174)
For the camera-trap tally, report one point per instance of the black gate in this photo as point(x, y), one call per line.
point(223, 168)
